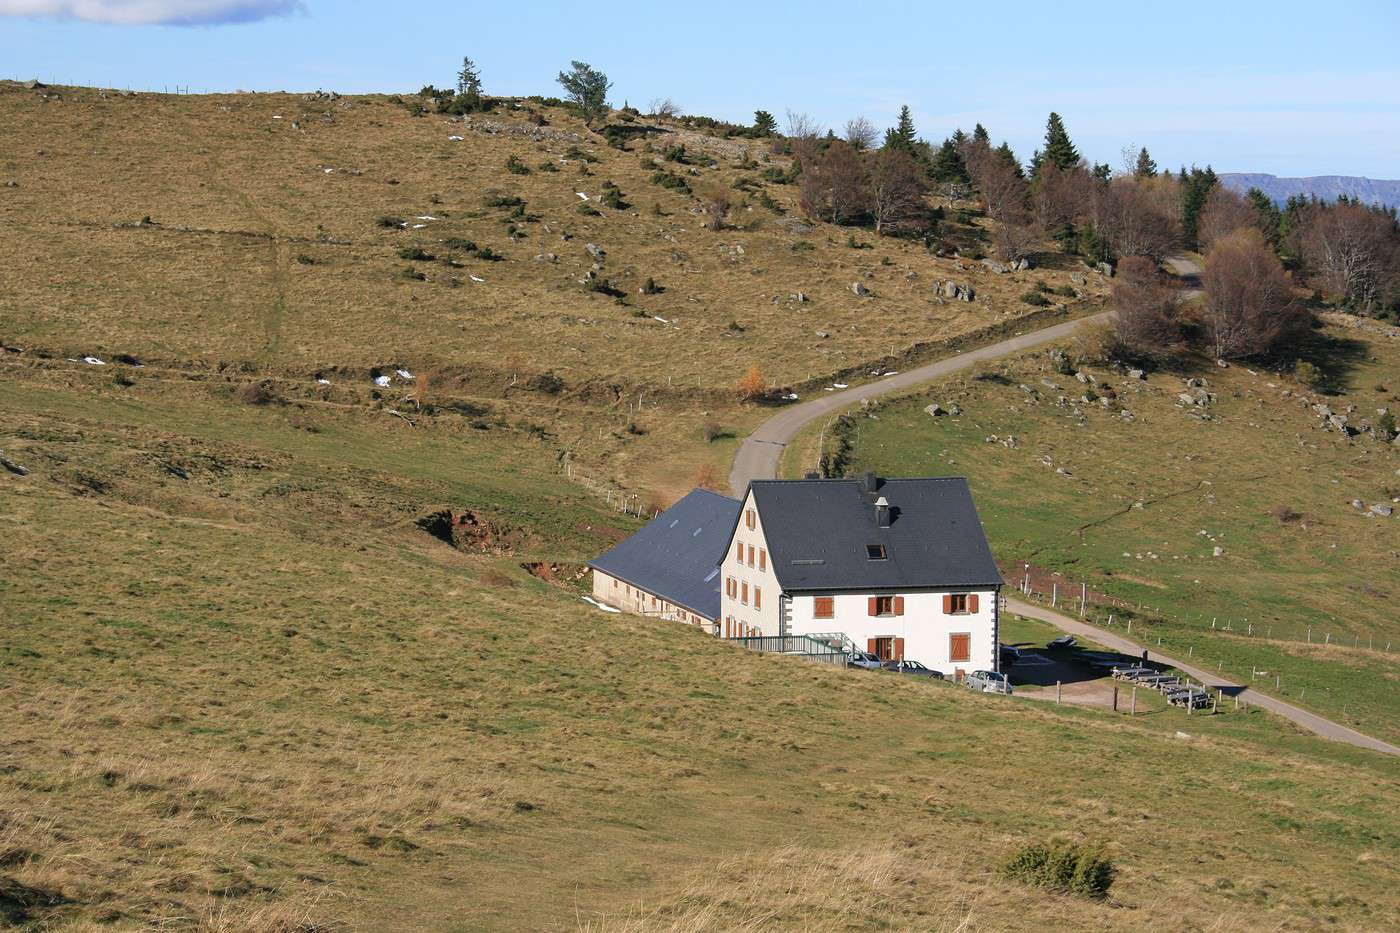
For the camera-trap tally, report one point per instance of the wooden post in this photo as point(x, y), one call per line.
point(1083, 597)
point(1054, 595)
point(1215, 703)
point(1132, 709)
point(1115, 698)
point(1057, 692)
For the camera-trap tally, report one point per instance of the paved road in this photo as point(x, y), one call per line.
point(760, 452)
point(1310, 721)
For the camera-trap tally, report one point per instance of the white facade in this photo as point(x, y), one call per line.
point(949, 630)
point(622, 595)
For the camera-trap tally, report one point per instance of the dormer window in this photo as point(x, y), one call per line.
point(875, 551)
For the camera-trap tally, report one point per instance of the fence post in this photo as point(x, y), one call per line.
point(1132, 710)
point(1055, 595)
point(1057, 692)
point(1115, 698)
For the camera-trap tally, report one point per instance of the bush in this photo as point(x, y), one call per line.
point(415, 253)
point(503, 200)
point(578, 155)
point(516, 167)
point(1285, 514)
point(1385, 426)
point(1309, 375)
point(390, 222)
point(588, 210)
point(305, 260)
point(775, 175)
point(672, 181)
point(1064, 291)
point(256, 393)
point(548, 167)
point(612, 197)
point(712, 431)
point(676, 154)
point(408, 272)
point(753, 386)
point(649, 287)
point(1066, 868)
point(803, 246)
point(1034, 297)
point(603, 287)
point(456, 242)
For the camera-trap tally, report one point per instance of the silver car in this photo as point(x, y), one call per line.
point(988, 682)
point(864, 660)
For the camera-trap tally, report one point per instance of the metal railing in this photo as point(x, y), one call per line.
point(799, 646)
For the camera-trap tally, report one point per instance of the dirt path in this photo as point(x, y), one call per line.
point(1310, 721)
point(760, 452)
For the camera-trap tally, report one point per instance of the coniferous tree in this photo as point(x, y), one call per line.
point(1058, 146)
point(1270, 219)
point(1195, 190)
point(980, 134)
point(763, 123)
point(1146, 167)
point(1005, 152)
point(469, 78)
point(902, 135)
point(587, 88)
point(948, 164)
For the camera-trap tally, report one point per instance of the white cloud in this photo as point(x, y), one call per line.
point(152, 12)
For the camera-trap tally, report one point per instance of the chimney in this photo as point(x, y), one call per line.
point(870, 482)
point(882, 512)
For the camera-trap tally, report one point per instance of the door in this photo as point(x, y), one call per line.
point(887, 649)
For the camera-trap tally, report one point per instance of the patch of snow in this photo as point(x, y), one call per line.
point(329, 170)
point(425, 217)
point(381, 381)
point(93, 361)
point(455, 139)
point(324, 382)
point(661, 319)
point(419, 226)
point(404, 374)
point(839, 385)
point(475, 278)
point(276, 116)
point(582, 195)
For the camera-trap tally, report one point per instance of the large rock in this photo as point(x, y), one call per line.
point(1137, 374)
point(1021, 265)
point(1078, 278)
point(935, 410)
point(1104, 268)
point(1381, 509)
point(955, 291)
point(998, 267)
point(595, 251)
point(859, 290)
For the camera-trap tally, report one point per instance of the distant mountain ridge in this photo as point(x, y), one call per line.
point(1326, 187)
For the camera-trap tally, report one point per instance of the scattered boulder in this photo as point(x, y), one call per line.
point(547, 257)
point(1358, 505)
point(935, 410)
point(1137, 374)
point(953, 290)
point(1217, 551)
point(1078, 278)
point(859, 290)
point(1381, 509)
point(999, 268)
point(595, 252)
point(1104, 268)
point(823, 334)
point(1194, 383)
point(799, 297)
point(1021, 265)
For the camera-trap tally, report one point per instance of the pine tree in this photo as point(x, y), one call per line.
point(1145, 168)
point(469, 78)
point(1058, 147)
point(1195, 190)
point(1270, 219)
point(902, 136)
point(980, 134)
point(1007, 155)
point(1102, 171)
point(587, 89)
point(763, 123)
point(948, 165)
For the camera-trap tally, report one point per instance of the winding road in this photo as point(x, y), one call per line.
point(759, 455)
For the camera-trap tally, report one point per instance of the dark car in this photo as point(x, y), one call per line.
point(1009, 655)
point(912, 668)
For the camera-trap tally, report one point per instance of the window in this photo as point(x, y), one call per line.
point(757, 598)
point(762, 559)
point(744, 593)
point(750, 518)
point(824, 607)
point(750, 555)
point(874, 551)
point(959, 604)
point(739, 551)
point(960, 647)
point(886, 606)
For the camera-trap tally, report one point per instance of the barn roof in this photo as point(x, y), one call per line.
point(676, 555)
point(826, 534)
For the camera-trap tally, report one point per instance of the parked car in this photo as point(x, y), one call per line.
point(988, 682)
point(1064, 641)
point(863, 660)
point(912, 668)
point(1010, 655)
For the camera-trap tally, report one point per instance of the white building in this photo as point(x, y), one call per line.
point(900, 567)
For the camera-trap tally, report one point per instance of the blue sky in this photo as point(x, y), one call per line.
point(1287, 88)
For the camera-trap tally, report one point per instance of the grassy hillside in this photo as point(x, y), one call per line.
point(1137, 508)
point(243, 689)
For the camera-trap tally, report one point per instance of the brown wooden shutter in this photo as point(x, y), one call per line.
point(824, 607)
point(960, 647)
point(972, 603)
point(762, 559)
point(947, 603)
point(873, 606)
point(757, 598)
point(899, 649)
point(873, 646)
point(899, 605)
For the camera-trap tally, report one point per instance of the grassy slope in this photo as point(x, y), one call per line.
point(259, 694)
point(1333, 569)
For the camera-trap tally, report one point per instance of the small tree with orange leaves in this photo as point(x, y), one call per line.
point(753, 385)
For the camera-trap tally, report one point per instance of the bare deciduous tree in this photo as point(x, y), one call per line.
point(1224, 213)
point(1250, 309)
point(834, 186)
point(802, 126)
point(1134, 220)
point(896, 190)
point(861, 133)
point(666, 108)
point(1351, 251)
point(1145, 316)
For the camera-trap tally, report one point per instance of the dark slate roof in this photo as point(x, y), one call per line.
point(817, 532)
point(676, 555)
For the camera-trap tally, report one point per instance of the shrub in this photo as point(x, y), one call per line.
point(390, 222)
point(488, 254)
point(503, 200)
point(1034, 297)
point(712, 431)
point(649, 287)
point(578, 155)
point(1309, 375)
point(256, 393)
point(603, 287)
point(415, 253)
point(612, 197)
point(803, 246)
point(456, 242)
point(676, 154)
point(775, 175)
point(671, 181)
point(1285, 514)
point(766, 200)
point(548, 167)
point(408, 272)
point(305, 260)
point(753, 386)
point(1064, 291)
point(516, 167)
point(1385, 426)
point(1066, 868)
point(588, 210)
